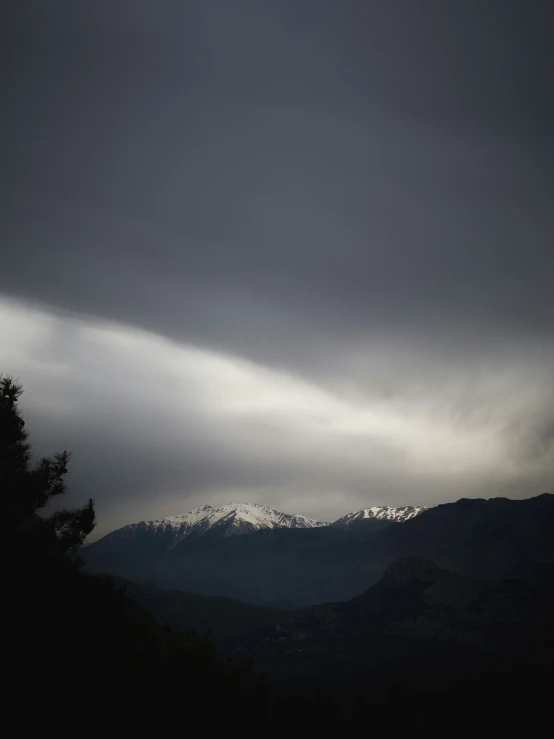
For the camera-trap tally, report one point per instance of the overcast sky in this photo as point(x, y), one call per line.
point(296, 252)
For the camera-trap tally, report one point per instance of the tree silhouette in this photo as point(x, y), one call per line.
point(27, 488)
point(77, 652)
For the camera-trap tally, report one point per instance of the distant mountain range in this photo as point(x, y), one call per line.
point(246, 518)
point(449, 609)
point(263, 557)
point(243, 551)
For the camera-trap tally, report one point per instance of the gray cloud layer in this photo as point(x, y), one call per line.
point(355, 195)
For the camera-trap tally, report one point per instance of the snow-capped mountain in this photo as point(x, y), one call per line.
point(381, 513)
point(227, 520)
point(247, 551)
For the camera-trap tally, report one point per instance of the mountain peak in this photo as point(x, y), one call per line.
point(226, 520)
point(381, 513)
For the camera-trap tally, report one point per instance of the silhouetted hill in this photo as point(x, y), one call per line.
point(424, 648)
point(228, 621)
point(415, 610)
point(492, 539)
point(90, 656)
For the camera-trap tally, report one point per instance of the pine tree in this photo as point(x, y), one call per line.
point(26, 488)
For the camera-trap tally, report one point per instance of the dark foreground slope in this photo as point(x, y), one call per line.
point(418, 649)
point(423, 648)
point(79, 655)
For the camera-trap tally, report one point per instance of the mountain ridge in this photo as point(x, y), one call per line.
point(492, 538)
point(296, 567)
point(232, 519)
point(238, 518)
point(415, 602)
point(203, 553)
point(382, 513)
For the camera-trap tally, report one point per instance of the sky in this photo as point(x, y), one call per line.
point(293, 252)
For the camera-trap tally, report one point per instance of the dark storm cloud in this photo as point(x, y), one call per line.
point(359, 193)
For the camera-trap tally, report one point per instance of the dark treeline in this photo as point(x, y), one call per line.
point(78, 654)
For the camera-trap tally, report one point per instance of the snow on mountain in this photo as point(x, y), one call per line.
point(228, 520)
point(382, 513)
